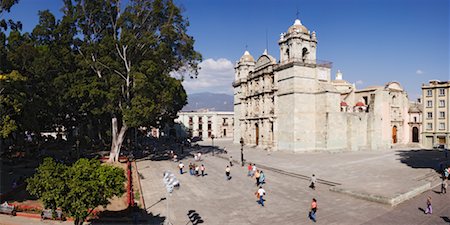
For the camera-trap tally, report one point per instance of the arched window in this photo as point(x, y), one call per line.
point(304, 53)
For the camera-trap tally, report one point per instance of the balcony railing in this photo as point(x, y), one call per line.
point(317, 62)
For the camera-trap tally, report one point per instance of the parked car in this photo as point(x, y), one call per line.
point(439, 146)
point(196, 138)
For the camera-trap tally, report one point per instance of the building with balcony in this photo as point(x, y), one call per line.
point(204, 124)
point(294, 105)
point(435, 117)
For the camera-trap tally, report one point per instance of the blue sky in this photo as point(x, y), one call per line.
point(371, 41)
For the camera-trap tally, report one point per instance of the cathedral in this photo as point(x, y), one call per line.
point(294, 105)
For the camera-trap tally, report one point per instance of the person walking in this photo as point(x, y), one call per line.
point(249, 170)
point(199, 156)
point(444, 185)
point(259, 195)
point(312, 213)
point(191, 172)
point(181, 166)
point(313, 182)
point(257, 175)
point(429, 209)
point(202, 168)
point(197, 170)
point(231, 160)
point(262, 178)
point(227, 172)
point(253, 170)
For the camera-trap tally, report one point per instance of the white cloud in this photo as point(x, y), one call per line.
point(359, 82)
point(214, 76)
point(419, 71)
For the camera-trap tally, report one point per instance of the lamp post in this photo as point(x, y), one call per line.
point(77, 142)
point(212, 138)
point(242, 150)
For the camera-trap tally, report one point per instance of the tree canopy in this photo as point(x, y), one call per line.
point(100, 69)
point(76, 189)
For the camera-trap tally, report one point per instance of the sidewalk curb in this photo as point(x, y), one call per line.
point(383, 199)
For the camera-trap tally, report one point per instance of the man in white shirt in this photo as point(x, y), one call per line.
point(181, 166)
point(260, 193)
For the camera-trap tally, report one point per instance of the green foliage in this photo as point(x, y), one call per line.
point(78, 188)
point(12, 97)
point(102, 59)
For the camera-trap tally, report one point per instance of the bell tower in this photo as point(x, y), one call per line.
point(298, 44)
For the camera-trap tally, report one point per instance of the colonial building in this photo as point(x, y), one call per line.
point(415, 121)
point(435, 96)
point(204, 124)
point(294, 105)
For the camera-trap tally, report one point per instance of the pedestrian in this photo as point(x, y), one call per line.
point(181, 166)
point(195, 157)
point(249, 170)
point(227, 172)
point(197, 168)
point(199, 156)
point(191, 170)
point(313, 182)
point(202, 168)
point(429, 208)
point(262, 178)
point(253, 170)
point(312, 213)
point(257, 175)
point(444, 185)
point(175, 158)
point(231, 160)
point(259, 195)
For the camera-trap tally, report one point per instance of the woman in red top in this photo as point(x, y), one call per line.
point(249, 169)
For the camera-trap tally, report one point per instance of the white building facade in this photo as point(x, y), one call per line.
point(204, 124)
point(294, 105)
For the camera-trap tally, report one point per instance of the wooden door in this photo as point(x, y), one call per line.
point(394, 134)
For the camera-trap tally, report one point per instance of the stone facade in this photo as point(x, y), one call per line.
point(436, 120)
point(415, 121)
point(294, 105)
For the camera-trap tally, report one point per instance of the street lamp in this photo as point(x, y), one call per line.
point(77, 142)
point(242, 150)
point(212, 138)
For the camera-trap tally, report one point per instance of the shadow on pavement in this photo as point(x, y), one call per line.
point(131, 215)
point(433, 159)
point(160, 200)
point(446, 219)
point(194, 217)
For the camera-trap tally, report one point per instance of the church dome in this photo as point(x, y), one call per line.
point(360, 104)
point(247, 57)
point(297, 27)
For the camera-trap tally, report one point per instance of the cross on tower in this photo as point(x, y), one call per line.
point(298, 12)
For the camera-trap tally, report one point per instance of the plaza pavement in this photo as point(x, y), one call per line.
point(390, 177)
point(217, 201)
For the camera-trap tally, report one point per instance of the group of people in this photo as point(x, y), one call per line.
point(254, 172)
point(196, 170)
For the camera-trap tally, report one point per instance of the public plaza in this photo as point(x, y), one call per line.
point(353, 187)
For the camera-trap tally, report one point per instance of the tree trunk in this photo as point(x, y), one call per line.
point(117, 140)
point(78, 221)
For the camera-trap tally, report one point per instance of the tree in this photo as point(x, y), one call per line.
point(11, 101)
point(129, 55)
point(77, 189)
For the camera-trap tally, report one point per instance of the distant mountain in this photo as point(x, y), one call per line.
point(210, 101)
